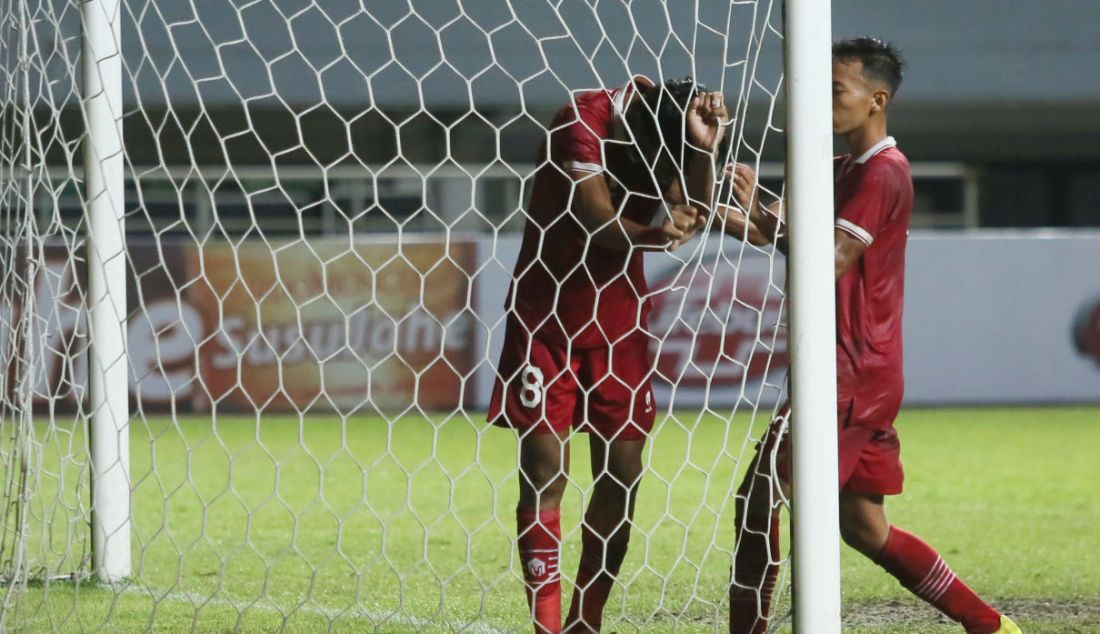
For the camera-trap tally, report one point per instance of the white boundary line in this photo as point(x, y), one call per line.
point(265, 604)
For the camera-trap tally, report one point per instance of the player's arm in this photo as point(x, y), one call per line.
point(594, 209)
point(735, 223)
point(706, 126)
point(685, 217)
point(706, 117)
point(767, 221)
point(771, 222)
point(848, 251)
point(866, 212)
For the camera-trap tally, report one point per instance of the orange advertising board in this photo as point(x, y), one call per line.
point(330, 326)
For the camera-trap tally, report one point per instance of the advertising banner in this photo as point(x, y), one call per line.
point(304, 325)
point(720, 321)
point(258, 326)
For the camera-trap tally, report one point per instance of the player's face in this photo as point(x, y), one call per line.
point(853, 96)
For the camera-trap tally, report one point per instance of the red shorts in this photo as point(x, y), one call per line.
point(543, 387)
point(869, 459)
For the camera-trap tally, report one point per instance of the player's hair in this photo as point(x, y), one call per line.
point(881, 60)
point(666, 105)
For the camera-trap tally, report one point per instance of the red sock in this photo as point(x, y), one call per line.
point(924, 573)
point(755, 568)
point(601, 559)
point(756, 556)
point(539, 541)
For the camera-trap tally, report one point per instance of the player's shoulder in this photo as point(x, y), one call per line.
point(588, 106)
point(602, 104)
point(890, 158)
point(600, 99)
point(890, 164)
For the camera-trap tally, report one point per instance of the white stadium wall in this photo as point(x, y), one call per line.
point(1003, 317)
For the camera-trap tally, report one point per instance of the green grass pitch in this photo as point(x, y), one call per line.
point(366, 526)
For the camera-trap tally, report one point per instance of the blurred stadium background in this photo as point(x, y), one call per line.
point(237, 143)
point(997, 112)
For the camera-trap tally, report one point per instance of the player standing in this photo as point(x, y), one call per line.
point(873, 202)
point(576, 351)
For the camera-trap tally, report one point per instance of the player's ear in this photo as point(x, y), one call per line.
point(879, 100)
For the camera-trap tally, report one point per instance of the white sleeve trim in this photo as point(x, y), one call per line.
point(859, 232)
point(584, 167)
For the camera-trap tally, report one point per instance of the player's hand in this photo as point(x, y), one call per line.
point(744, 186)
point(682, 223)
point(707, 118)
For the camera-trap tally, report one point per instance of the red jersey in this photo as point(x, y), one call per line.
point(874, 199)
point(564, 288)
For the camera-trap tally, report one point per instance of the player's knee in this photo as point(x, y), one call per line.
point(763, 480)
point(852, 532)
point(545, 476)
point(623, 475)
point(860, 530)
point(623, 468)
point(543, 481)
point(760, 495)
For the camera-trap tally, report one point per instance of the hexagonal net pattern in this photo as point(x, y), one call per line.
point(323, 206)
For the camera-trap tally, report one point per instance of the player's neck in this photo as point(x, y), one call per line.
point(866, 137)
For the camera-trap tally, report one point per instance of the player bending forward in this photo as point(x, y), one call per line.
point(576, 352)
point(873, 200)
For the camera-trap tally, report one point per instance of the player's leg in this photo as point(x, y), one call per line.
point(543, 466)
point(605, 535)
point(915, 564)
point(536, 395)
point(619, 413)
point(543, 469)
point(756, 546)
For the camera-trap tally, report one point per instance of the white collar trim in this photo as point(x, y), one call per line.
point(624, 93)
point(876, 148)
point(619, 102)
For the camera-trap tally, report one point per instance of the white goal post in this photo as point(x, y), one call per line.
point(814, 519)
point(109, 438)
point(173, 333)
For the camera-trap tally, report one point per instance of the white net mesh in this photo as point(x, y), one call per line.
point(322, 210)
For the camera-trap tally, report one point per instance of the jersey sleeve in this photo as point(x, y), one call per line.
point(868, 209)
point(577, 141)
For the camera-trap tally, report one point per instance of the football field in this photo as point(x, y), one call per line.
point(362, 525)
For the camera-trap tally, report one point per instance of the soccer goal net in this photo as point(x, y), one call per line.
point(253, 265)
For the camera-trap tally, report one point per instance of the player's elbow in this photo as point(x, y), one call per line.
point(844, 261)
point(601, 225)
point(841, 266)
point(847, 253)
point(757, 238)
